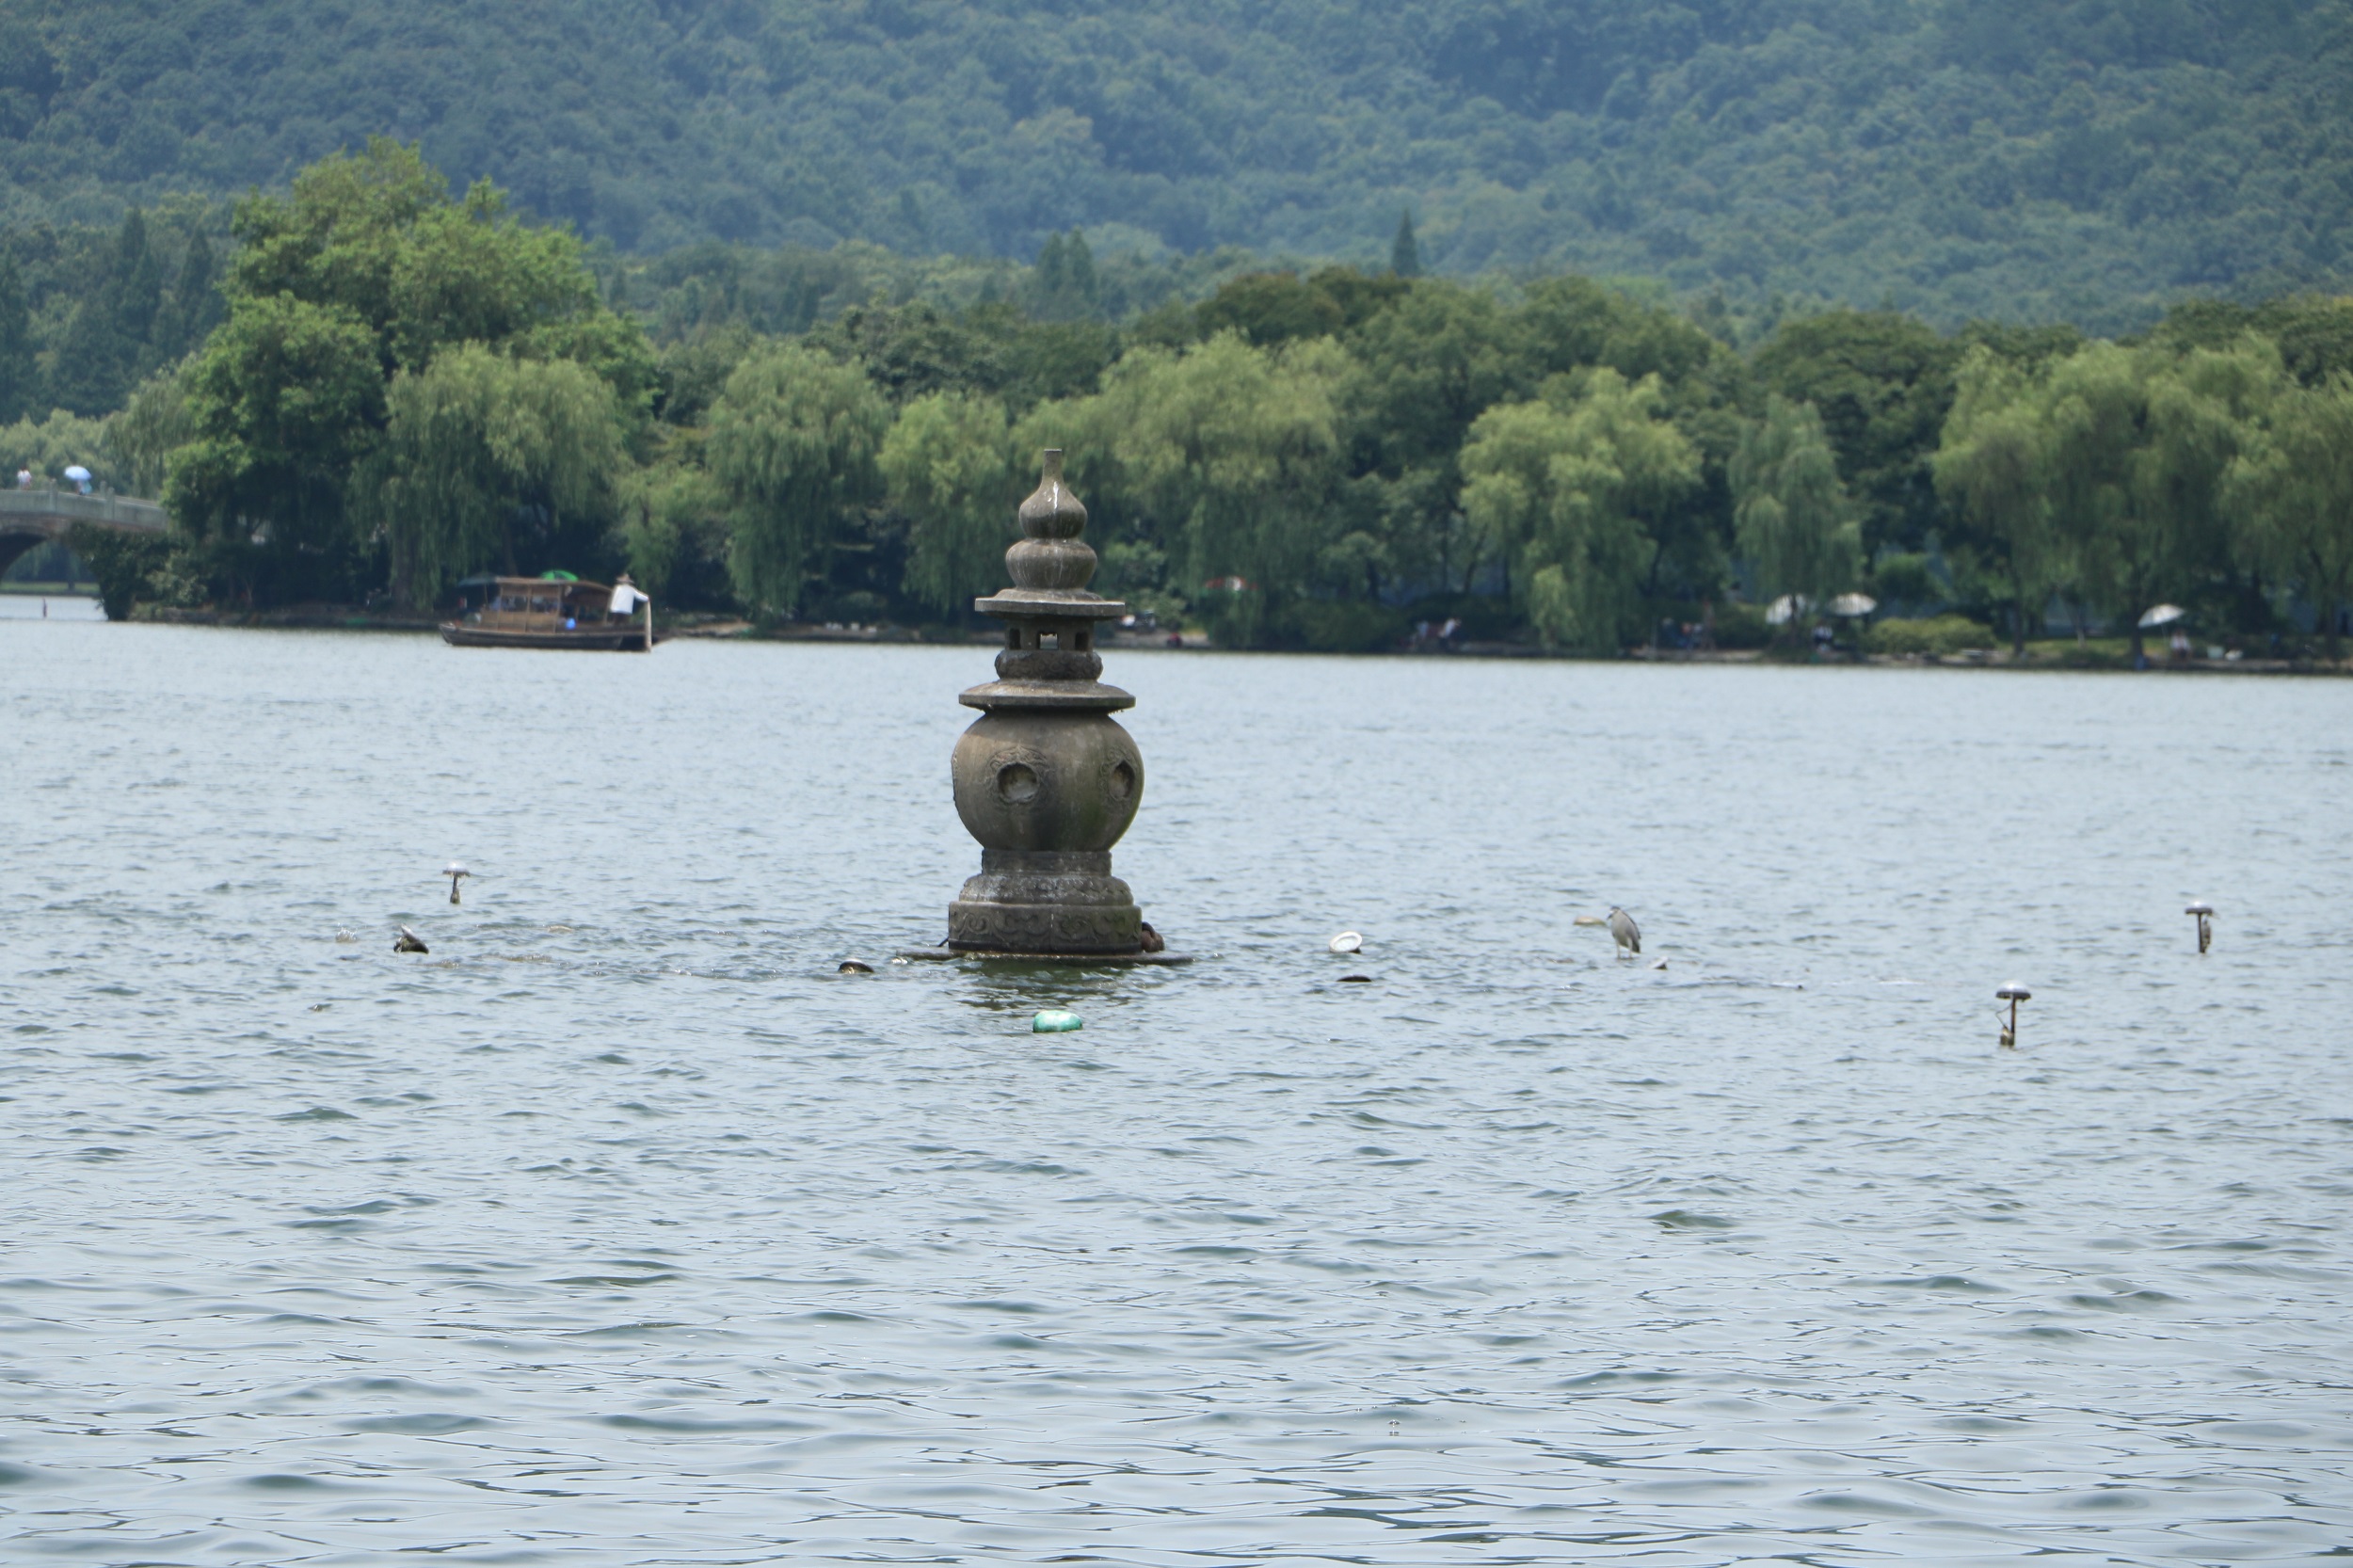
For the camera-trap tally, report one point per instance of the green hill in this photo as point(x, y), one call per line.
point(2067, 159)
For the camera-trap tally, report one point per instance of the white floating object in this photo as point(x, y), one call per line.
point(1591, 920)
point(1348, 941)
point(1056, 1023)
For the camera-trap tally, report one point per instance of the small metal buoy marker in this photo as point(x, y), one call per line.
point(2204, 912)
point(2014, 994)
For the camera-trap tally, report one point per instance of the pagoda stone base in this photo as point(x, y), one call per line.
point(1068, 960)
point(1045, 902)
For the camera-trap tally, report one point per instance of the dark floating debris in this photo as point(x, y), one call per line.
point(1355, 980)
point(2014, 994)
point(851, 965)
point(2204, 912)
point(408, 941)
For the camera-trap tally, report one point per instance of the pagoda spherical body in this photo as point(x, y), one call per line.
point(1027, 779)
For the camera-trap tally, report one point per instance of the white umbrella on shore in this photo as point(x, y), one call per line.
point(2163, 615)
point(1853, 604)
point(77, 473)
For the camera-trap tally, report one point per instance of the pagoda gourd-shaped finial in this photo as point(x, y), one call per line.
point(1046, 779)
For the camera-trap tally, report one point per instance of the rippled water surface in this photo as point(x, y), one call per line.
point(621, 1230)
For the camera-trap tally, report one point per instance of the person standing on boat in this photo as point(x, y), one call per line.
point(625, 598)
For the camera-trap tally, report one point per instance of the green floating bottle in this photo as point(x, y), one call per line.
point(1056, 1023)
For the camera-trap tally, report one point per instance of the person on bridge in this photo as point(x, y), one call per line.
point(23, 479)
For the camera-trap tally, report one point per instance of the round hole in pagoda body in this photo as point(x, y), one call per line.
point(1033, 780)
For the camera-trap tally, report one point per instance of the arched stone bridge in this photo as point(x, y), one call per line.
point(29, 518)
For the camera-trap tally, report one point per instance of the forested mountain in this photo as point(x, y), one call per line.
point(2079, 160)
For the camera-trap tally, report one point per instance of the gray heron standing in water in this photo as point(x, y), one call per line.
point(1623, 932)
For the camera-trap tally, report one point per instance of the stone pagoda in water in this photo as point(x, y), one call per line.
point(1046, 779)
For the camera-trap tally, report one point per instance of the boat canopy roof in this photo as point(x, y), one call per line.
point(566, 584)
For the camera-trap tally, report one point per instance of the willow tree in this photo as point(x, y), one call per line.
point(143, 433)
point(1229, 453)
point(476, 441)
point(673, 522)
point(1567, 485)
point(949, 463)
point(1791, 515)
point(1994, 469)
point(2140, 441)
point(2293, 493)
point(793, 444)
point(50, 445)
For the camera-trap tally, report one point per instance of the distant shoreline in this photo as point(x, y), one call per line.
point(2050, 656)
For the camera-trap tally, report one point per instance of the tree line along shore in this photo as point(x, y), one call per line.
point(373, 388)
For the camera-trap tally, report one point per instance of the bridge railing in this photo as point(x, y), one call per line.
point(107, 511)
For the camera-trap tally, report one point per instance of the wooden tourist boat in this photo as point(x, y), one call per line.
point(557, 610)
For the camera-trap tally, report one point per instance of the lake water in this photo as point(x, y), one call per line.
point(16, 606)
point(621, 1230)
